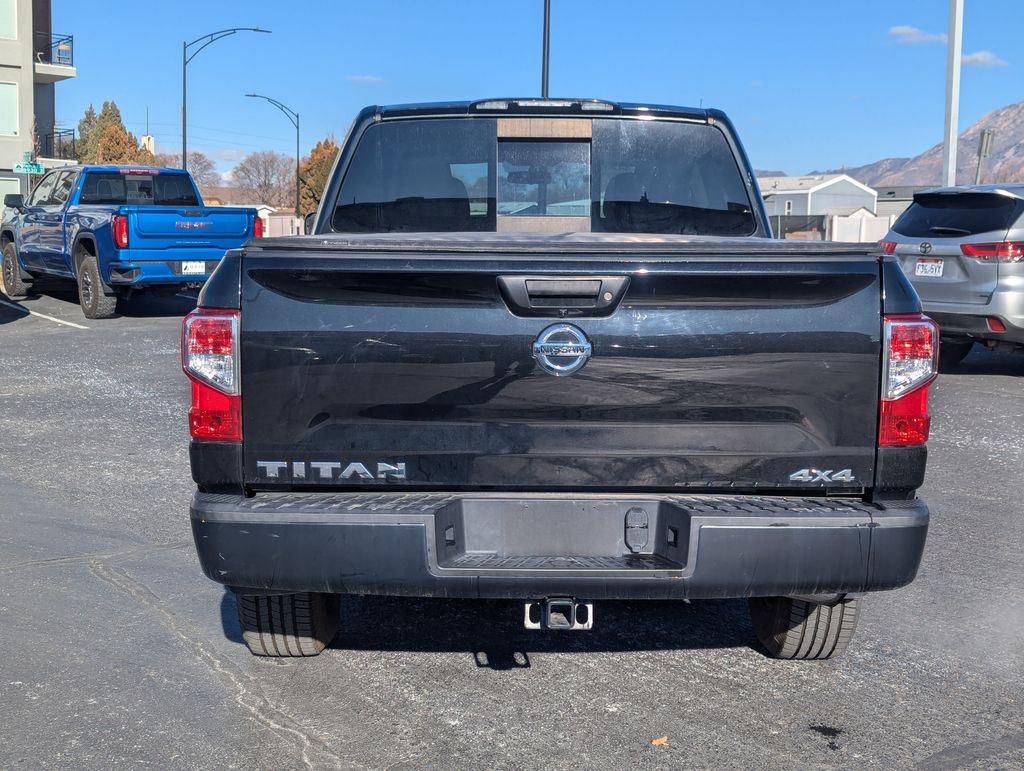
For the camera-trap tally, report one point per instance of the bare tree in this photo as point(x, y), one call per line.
point(269, 176)
point(200, 166)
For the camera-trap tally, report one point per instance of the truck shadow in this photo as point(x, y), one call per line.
point(492, 630)
point(981, 361)
point(11, 310)
point(143, 305)
point(153, 306)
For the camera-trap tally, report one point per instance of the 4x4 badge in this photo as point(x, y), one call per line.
point(817, 475)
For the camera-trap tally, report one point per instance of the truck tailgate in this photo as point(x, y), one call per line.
point(734, 366)
point(167, 227)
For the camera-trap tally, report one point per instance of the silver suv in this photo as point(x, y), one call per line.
point(963, 249)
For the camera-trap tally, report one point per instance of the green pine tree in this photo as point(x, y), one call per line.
point(103, 138)
point(85, 129)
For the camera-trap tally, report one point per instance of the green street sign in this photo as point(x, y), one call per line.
point(29, 168)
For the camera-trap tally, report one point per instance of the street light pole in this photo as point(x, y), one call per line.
point(294, 118)
point(949, 141)
point(185, 59)
point(547, 49)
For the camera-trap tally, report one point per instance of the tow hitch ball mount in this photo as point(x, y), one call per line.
point(558, 613)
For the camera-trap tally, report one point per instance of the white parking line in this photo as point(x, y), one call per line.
point(43, 315)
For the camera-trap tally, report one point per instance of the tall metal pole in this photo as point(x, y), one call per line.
point(294, 118)
point(213, 37)
point(956, 29)
point(184, 73)
point(547, 49)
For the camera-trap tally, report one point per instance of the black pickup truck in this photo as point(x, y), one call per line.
point(546, 350)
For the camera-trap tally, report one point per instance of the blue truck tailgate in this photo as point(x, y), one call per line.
point(164, 228)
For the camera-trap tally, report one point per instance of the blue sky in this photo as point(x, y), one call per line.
point(810, 84)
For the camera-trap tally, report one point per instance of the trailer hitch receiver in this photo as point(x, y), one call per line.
point(558, 613)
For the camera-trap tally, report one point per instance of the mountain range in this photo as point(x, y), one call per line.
point(1006, 164)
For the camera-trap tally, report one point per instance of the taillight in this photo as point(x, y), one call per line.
point(119, 230)
point(998, 251)
point(209, 356)
point(257, 227)
point(888, 247)
point(911, 359)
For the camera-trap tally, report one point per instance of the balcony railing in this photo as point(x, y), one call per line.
point(60, 143)
point(55, 49)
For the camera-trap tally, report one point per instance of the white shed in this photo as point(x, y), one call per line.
point(818, 194)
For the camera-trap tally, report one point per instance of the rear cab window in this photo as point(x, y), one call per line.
point(137, 188)
point(62, 188)
point(482, 174)
point(949, 215)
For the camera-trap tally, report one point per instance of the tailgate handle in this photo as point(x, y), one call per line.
point(543, 287)
point(562, 295)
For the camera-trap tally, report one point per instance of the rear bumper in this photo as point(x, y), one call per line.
point(523, 547)
point(145, 272)
point(966, 320)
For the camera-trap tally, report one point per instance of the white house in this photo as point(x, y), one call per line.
point(819, 194)
point(278, 223)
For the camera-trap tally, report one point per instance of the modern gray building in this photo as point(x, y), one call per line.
point(893, 201)
point(818, 194)
point(32, 60)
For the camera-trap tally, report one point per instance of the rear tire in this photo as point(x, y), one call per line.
point(288, 624)
point(954, 351)
point(797, 629)
point(11, 282)
point(93, 292)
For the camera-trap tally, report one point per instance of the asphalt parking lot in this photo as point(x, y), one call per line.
point(120, 653)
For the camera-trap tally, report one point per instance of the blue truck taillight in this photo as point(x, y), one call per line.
point(119, 230)
point(209, 356)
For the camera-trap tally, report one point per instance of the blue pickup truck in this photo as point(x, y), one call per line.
point(116, 230)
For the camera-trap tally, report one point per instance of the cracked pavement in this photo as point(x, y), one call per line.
point(119, 651)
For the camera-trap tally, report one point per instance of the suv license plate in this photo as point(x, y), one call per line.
point(928, 266)
point(199, 268)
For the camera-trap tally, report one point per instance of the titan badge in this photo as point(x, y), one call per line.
point(329, 471)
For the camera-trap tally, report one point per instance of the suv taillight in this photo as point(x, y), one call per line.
point(999, 251)
point(911, 351)
point(888, 247)
point(209, 356)
point(257, 227)
point(119, 230)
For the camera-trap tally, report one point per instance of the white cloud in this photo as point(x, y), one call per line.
point(983, 59)
point(228, 154)
point(365, 78)
point(908, 35)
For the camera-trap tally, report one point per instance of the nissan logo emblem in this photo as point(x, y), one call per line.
point(562, 349)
